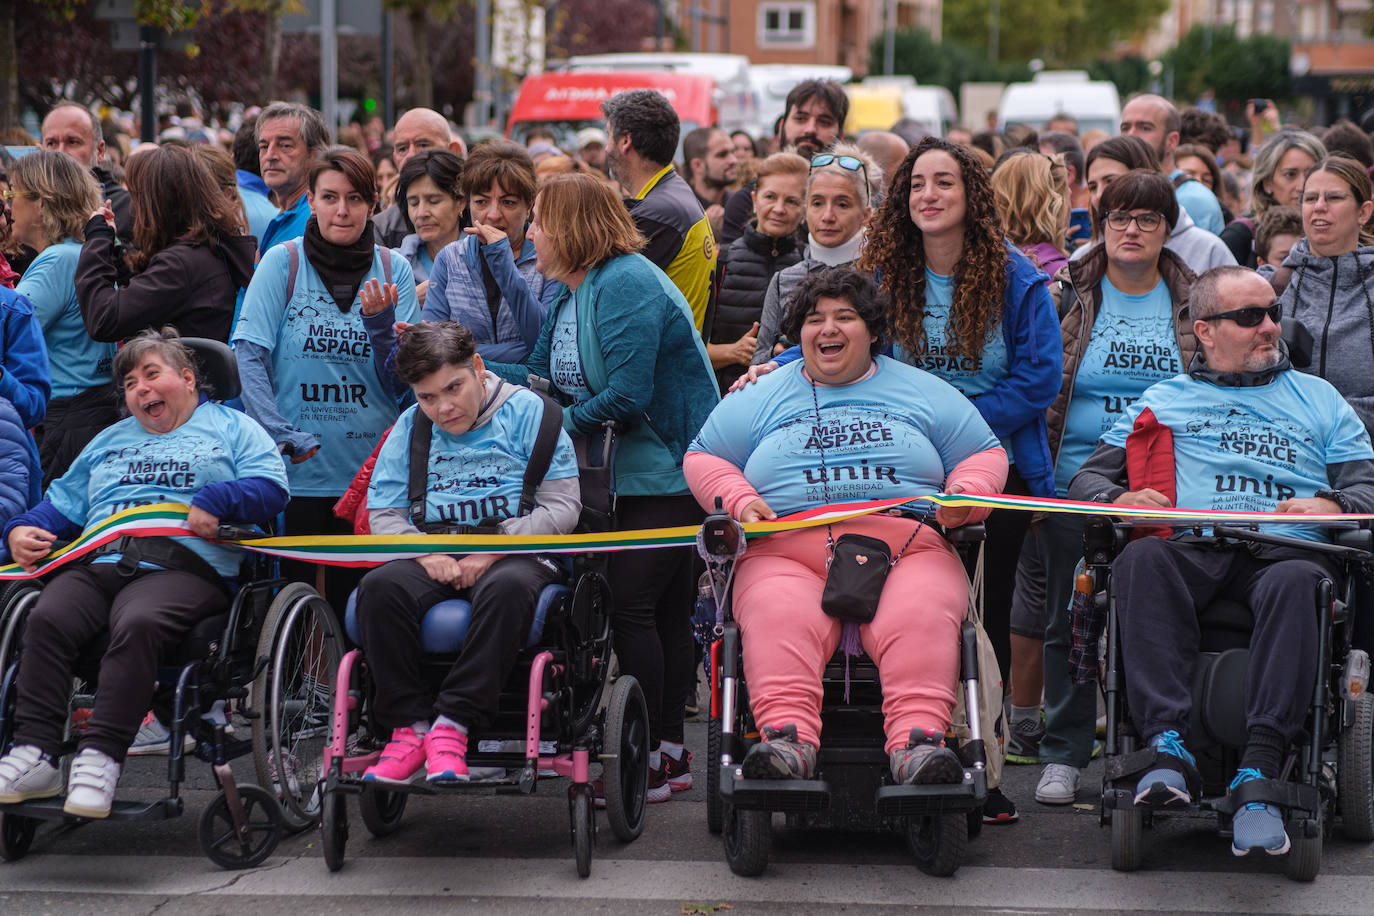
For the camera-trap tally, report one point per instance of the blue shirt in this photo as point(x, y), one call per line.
point(1132, 347)
point(323, 372)
point(77, 362)
point(565, 363)
point(971, 377)
point(897, 433)
point(126, 465)
point(260, 212)
point(1201, 204)
point(286, 225)
point(473, 476)
point(1246, 449)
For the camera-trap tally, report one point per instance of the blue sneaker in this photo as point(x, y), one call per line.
point(1164, 787)
point(1257, 825)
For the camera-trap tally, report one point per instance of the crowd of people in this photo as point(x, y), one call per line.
point(983, 312)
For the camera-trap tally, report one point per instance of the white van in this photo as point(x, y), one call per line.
point(735, 93)
point(1094, 103)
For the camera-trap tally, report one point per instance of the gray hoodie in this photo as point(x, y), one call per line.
point(557, 503)
point(1334, 298)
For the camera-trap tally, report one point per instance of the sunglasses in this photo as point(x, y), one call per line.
point(852, 163)
point(1252, 316)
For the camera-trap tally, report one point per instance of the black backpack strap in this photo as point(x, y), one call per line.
point(542, 455)
point(163, 552)
point(550, 423)
point(417, 488)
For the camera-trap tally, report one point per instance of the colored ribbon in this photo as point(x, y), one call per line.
point(169, 520)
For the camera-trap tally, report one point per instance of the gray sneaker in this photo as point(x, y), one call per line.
point(926, 761)
point(1058, 785)
point(780, 756)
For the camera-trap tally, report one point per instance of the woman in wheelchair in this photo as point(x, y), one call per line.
point(146, 592)
point(842, 425)
point(484, 433)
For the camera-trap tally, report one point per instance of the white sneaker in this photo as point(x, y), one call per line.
point(91, 785)
point(1058, 784)
point(155, 738)
point(24, 774)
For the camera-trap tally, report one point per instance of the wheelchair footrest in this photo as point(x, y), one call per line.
point(50, 809)
point(1292, 797)
point(907, 801)
point(793, 795)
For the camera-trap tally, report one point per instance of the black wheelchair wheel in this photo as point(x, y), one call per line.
point(626, 777)
point(223, 844)
point(715, 808)
point(333, 829)
point(1128, 825)
point(381, 810)
point(16, 600)
point(938, 842)
point(748, 840)
point(582, 815)
point(1304, 858)
point(16, 836)
point(293, 695)
point(975, 823)
point(1355, 772)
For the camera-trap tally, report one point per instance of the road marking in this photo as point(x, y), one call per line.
point(625, 879)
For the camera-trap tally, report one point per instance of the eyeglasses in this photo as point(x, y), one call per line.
point(852, 163)
point(1252, 316)
point(1120, 220)
point(8, 196)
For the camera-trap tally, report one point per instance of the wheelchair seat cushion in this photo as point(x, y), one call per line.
point(1225, 624)
point(445, 625)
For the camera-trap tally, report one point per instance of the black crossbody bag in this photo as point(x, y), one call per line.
point(857, 568)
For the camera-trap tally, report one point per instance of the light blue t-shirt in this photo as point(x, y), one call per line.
point(1247, 449)
point(898, 433)
point(971, 377)
point(78, 363)
point(1132, 346)
point(322, 366)
point(286, 225)
point(259, 210)
point(565, 362)
point(125, 465)
point(476, 475)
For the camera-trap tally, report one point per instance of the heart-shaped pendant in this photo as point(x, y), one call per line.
point(860, 559)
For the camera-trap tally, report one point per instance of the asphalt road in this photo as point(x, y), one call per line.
point(504, 854)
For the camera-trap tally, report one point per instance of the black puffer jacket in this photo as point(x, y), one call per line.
point(748, 265)
point(189, 285)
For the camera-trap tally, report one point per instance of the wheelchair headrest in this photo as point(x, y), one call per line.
point(219, 371)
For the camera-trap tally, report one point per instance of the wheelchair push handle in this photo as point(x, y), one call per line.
point(227, 532)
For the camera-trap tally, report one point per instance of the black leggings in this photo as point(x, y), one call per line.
point(146, 615)
point(652, 620)
point(315, 515)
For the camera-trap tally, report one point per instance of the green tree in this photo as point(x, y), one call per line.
point(948, 63)
point(1236, 68)
point(1131, 74)
point(1062, 33)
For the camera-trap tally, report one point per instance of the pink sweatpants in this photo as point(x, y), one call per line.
point(914, 639)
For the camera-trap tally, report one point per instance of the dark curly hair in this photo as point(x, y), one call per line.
point(895, 250)
point(854, 287)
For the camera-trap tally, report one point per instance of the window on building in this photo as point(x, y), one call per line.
point(790, 25)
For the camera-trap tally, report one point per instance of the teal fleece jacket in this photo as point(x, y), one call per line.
point(642, 356)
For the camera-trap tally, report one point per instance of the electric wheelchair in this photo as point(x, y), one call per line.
point(550, 720)
point(852, 788)
point(1326, 775)
point(218, 661)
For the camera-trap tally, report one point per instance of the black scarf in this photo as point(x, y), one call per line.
point(342, 267)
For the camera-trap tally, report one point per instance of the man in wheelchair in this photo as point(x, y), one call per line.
point(479, 455)
point(1240, 431)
